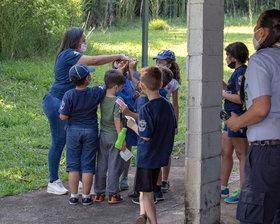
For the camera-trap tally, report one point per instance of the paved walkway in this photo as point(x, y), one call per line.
point(39, 207)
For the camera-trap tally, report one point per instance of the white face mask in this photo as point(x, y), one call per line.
point(255, 41)
point(83, 48)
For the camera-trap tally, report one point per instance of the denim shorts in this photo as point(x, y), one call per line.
point(241, 133)
point(81, 148)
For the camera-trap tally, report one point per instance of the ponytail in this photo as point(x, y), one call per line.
point(175, 69)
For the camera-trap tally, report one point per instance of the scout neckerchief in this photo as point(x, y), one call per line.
point(277, 44)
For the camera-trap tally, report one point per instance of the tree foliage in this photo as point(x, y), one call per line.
point(31, 27)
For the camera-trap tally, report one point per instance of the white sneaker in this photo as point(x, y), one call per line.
point(56, 187)
point(80, 188)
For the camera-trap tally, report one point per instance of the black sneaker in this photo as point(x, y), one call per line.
point(165, 186)
point(137, 201)
point(133, 194)
point(73, 201)
point(87, 201)
point(114, 198)
point(158, 195)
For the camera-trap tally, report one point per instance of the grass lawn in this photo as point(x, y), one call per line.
point(25, 134)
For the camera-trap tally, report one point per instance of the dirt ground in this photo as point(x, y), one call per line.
point(38, 206)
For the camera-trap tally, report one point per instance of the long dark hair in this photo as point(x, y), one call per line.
point(175, 69)
point(271, 20)
point(71, 39)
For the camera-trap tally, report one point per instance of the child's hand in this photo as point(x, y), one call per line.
point(136, 95)
point(123, 66)
point(123, 146)
point(133, 64)
point(124, 109)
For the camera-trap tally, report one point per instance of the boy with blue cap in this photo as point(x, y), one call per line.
point(79, 107)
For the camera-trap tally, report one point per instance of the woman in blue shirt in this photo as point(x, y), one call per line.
point(237, 55)
point(69, 53)
point(259, 200)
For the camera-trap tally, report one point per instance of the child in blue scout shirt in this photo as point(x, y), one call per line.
point(166, 58)
point(79, 107)
point(167, 76)
point(155, 143)
point(108, 156)
point(237, 55)
point(128, 93)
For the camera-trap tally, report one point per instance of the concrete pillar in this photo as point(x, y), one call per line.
point(204, 89)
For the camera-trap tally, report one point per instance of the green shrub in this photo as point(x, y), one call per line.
point(31, 28)
point(158, 24)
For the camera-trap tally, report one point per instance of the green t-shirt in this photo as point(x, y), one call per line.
point(109, 109)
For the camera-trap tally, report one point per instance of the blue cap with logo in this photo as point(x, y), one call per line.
point(166, 54)
point(79, 71)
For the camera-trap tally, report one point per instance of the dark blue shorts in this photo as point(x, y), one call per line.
point(81, 148)
point(241, 133)
point(259, 200)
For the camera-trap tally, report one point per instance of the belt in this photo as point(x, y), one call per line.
point(265, 142)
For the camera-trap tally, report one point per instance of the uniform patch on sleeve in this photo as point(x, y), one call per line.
point(142, 124)
point(62, 105)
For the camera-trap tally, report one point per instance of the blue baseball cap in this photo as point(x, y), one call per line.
point(80, 71)
point(166, 54)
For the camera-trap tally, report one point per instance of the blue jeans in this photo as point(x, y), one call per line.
point(81, 148)
point(57, 126)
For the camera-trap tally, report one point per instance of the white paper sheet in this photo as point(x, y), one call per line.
point(126, 155)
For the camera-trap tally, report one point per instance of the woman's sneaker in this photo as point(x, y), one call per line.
point(99, 197)
point(233, 199)
point(87, 201)
point(56, 187)
point(225, 193)
point(114, 198)
point(73, 201)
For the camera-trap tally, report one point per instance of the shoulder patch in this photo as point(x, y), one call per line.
point(76, 53)
point(142, 124)
point(62, 105)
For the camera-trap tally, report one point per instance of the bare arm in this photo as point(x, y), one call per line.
point(63, 117)
point(101, 59)
point(133, 68)
point(256, 113)
point(235, 98)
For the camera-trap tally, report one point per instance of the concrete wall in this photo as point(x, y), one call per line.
point(204, 89)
